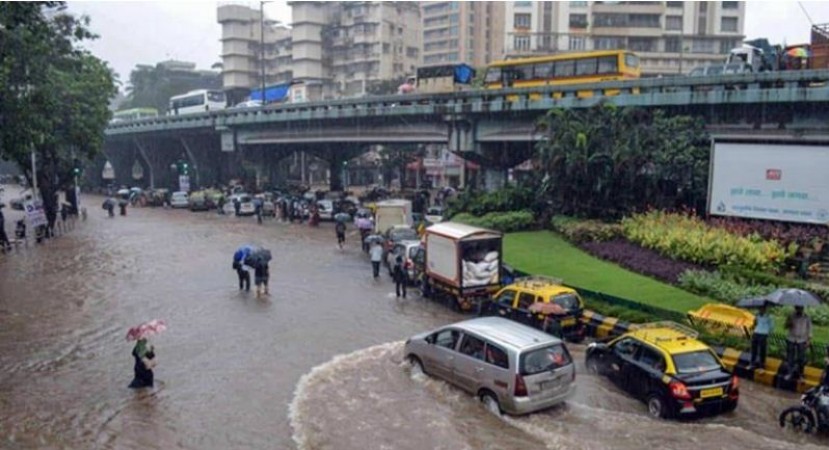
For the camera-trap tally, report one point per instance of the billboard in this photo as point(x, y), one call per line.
point(784, 182)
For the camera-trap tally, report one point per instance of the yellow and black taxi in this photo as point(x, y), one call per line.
point(544, 303)
point(665, 365)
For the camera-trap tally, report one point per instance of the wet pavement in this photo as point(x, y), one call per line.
point(316, 365)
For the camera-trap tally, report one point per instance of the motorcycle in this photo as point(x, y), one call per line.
point(812, 415)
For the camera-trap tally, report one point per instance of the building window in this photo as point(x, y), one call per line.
point(702, 25)
point(727, 44)
point(523, 4)
point(730, 5)
point(577, 43)
point(703, 7)
point(641, 44)
point(609, 20)
point(578, 20)
point(673, 44)
point(411, 52)
point(522, 20)
point(610, 43)
point(673, 23)
point(674, 4)
point(728, 24)
point(454, 18)
point(386, 47)
point(702, 46)
point(521, 43)
point(644, 20)
point(581, 4)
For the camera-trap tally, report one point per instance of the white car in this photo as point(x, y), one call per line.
point(179, 200)
point(246, 207)
point(248, 104)
point(326, 209)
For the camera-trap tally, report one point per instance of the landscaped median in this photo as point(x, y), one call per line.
point(547, 253)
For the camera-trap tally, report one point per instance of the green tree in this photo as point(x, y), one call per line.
point(152, 86)
point(53, 94)
point(607, 161)
point(395, 158)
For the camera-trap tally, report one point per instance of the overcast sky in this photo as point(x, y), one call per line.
point(148, 32)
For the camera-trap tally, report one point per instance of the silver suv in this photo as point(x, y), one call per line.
point(510, 367)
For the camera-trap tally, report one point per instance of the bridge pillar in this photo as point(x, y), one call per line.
point(142, 150)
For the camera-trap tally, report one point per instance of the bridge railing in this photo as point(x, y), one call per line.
point(477, 100)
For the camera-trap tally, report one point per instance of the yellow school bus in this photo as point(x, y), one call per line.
point(564, 69)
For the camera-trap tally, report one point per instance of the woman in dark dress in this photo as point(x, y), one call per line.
point(144, 362)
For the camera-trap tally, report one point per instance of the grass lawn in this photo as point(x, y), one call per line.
point(547, 253)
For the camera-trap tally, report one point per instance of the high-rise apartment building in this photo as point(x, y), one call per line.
point(336, 49)
point(468, 32)
point(671, 37)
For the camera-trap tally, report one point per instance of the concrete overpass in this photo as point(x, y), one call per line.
point(493, 128)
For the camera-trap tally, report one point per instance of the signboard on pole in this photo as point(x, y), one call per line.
point(184, 183)
point(35, 213)
point(770, 181)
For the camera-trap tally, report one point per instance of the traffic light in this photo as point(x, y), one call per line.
point(76, 167)
point(185, 168)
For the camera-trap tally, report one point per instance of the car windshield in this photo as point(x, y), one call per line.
point(693, 362)
point(403, 234)
point(567, 301)
point(544, 359)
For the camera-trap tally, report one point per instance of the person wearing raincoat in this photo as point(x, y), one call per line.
point(144, 355)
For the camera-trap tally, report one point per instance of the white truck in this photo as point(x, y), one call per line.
point(461, 263)
point(389, 213)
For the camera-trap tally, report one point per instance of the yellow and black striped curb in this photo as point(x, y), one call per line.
point(602, 327)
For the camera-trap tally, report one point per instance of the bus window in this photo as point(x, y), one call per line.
point(631, 60)
point(493, 75)
point(586, 67)
point(544, 70)
point(565, 68)
point(524, 72)
point(215, 96)
point(608, 64)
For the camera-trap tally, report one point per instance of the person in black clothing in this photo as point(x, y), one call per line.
point(340, 229)
point(4, 239)
point(400, 276)
point(261, 274)
point(243, 274)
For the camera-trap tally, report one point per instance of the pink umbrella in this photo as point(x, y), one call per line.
point(146, 329)
point(547, 308)
point(405, 88)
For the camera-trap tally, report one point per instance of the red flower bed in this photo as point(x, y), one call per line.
point(782, 232)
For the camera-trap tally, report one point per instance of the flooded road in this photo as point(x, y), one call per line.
point(317, 365)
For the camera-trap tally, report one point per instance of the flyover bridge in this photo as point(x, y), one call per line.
point(495, 128)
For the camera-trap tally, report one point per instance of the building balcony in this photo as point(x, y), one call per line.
point(629, 8)
point(627, 31)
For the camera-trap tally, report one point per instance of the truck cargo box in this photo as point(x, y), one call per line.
point(463, 256)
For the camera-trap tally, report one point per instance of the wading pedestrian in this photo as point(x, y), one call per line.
point(376, 254)
point(401, 278)
point(759, 340)
point(799, 327)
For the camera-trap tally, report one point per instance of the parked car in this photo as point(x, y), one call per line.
point(246, 206)
point(17, 203)
point(396, 235)
point(665, 365)
point(179, 200)
point(408, 250)
point(434, 214)
point(325, 208)
point(560, 309)
point(510, 367)
point(198, 201)
point(248, 104)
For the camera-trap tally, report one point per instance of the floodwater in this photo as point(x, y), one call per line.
point(316, 365)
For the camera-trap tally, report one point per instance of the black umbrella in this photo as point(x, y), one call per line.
point(782, 297)
point(258, 256)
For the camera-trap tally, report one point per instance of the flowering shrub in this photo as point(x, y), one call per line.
point(577, 230)
point(685, 237)
point(785, 233)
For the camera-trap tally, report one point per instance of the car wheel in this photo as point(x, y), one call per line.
point(657, 408)
point(490, 402)
point(593, 366)
point(416, 365)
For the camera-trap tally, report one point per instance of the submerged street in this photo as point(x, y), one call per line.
point(317, 365)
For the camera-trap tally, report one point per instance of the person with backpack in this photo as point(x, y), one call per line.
point(401, 278)
point(340, 230)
